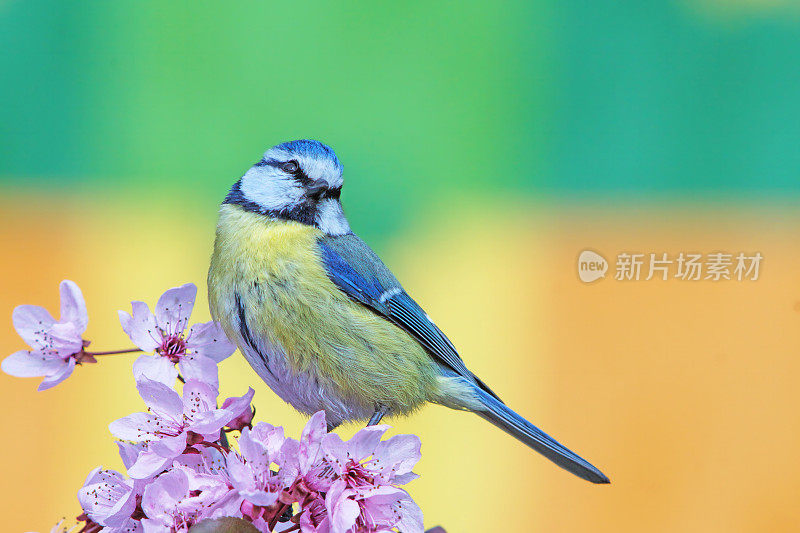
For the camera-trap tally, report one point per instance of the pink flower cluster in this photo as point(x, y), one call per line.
point(179, 477)
point(181, 465)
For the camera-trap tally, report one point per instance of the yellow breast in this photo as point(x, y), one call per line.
point(275, 271)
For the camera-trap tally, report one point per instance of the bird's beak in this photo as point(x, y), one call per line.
point(316, 187)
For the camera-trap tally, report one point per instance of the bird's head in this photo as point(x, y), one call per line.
point(296, 180)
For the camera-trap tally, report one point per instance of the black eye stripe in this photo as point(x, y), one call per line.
point(299, 174)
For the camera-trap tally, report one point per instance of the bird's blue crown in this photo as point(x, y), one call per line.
point(309, 148)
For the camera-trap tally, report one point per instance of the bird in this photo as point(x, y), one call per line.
point(323, 321)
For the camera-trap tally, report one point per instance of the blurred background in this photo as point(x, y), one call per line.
point(485, 144)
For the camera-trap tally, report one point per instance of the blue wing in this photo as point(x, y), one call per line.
point(359, 273)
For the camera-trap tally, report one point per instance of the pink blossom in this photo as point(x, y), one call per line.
point(179, 498)
point(210, 464)
point(253, 486)
point(173, 423)
point(56, 345)
point(367, 460)
point(366, 470)
point(250, 473)
point(196, 352)
point(111, 500)
point(266, 444)
point(371, 508)
point(108, 497)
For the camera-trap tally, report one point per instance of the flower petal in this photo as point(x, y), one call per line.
point(236, 406)
point(342, 510)
point(311, 439)
point(244, 420)
point(261, 444)
point(198, 397)
point(211, 422)
point(364, 443)
point(147, 465)
point(25, 364)
point(161, 399)
point(173, 485)
point(151, 525)
point(129, 452)
point(386, 493)
point(200, 368)
point(209, 339)
point(402, 479)
point(32, 324)
point(240, 472)
point(399, 454)
point(315, 429)
point(121, 511)
point(59, 375)
point(239, 405)
point(287, 458)
point(410, 516)
point(73, 306)
point(336, 451)
point(131, 525)
point(390, 507)
point(141, 327)
point(107, 497)
point(65, 339)
point(156, 368)
point(175, 307)
point(94, 476)
point(137, 427)
point(169, 446)
point(260, 497)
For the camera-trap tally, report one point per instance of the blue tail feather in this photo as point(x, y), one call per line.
point(503, 417)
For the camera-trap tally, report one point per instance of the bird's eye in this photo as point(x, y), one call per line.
point(290, 166)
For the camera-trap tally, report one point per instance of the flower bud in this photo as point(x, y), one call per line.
point(243, 420)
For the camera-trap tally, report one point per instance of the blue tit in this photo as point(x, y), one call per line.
point(323, 321)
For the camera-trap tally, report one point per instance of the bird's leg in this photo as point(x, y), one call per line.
point(380, 412)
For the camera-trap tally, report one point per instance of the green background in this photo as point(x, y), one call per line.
point(422, 101)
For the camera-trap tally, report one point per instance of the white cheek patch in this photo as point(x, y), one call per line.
point(330, 218)
point(270, 190)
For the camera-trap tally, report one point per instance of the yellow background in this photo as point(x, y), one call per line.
point(684, 393)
